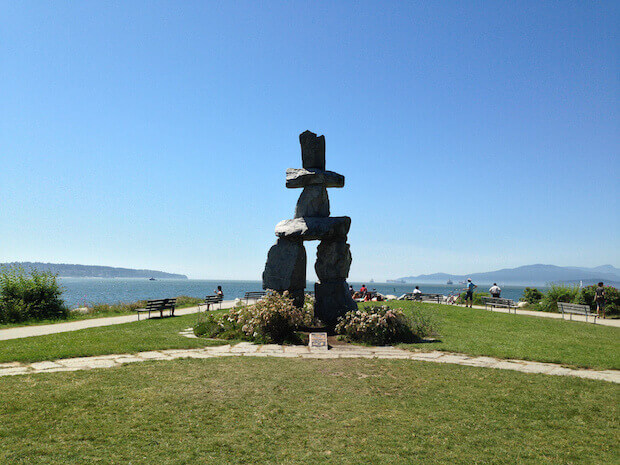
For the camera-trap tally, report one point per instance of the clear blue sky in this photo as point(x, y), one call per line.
point(473, 135)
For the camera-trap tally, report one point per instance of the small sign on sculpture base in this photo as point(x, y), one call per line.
point(318, 341)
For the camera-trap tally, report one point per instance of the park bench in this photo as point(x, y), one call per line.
point(576, 309)
point(211, 300)
point(430, 298)
point(438, 298)
point(499, 303)
point(254, 295)
point(158, 305)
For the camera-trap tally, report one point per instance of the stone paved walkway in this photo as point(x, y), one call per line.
point(247, 349)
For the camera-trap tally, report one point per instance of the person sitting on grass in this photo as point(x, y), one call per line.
point(599, 298)
point(363, 290)
point(469, 293)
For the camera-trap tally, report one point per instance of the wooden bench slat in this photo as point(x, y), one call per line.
point(576, 309)
point(158, 305)
point(211, 300)
point(499, 302)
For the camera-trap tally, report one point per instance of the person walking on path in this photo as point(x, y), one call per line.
point(599, 298)
point(495, 290)
point(469, 293)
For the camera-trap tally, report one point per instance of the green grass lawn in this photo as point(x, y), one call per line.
point(149, 334)
point(480, 332)
point(279, 411)
point(469, 331)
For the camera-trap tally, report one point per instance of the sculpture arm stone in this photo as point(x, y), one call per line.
point(302, 177)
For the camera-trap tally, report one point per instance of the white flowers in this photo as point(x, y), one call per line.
point(272, 318)
point(375, 325)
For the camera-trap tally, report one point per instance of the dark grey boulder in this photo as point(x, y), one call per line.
point(312, 150)
point(311, 228)
point(301, 177)
point(333, 260)
point(332, 301)
point(313, 201)
point(286, 266)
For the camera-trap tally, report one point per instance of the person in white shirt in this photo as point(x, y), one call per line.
point(417, 293)
point(495, 290)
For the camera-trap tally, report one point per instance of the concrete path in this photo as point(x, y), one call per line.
point(247, 349)
point(557, 316)
point(28, 331)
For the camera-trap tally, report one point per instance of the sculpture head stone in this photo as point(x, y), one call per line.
point(312, 150)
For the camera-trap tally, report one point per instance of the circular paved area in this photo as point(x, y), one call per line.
point(246, 349)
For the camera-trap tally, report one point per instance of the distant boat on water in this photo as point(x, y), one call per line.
point(152, 279)
point(449, 281)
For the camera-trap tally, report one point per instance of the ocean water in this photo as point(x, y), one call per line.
point(82, 291)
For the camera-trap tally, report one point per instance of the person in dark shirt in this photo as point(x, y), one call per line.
point(599, 298)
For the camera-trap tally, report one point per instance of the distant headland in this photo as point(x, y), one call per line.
point(65, 270)
point(527, 275)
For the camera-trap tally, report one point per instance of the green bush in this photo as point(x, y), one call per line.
point(558, 293)
point(187, 301)
point(120, 307)
point(29, 296)
point(383, 325)
point(531, 295)
point(210, 325)
point(612, 299)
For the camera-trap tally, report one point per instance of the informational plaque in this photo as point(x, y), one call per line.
point(318, 341)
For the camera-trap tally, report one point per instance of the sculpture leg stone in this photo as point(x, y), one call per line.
point(333, 298)
point(333, 260)
point(285, 269)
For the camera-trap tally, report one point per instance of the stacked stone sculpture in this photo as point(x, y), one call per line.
point(285, 269)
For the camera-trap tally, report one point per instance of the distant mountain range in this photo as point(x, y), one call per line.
point(528, 275)
point(92, 271)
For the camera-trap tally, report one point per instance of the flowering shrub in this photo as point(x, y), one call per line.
point(383, 325)
point(273, 319)
point(210, 325)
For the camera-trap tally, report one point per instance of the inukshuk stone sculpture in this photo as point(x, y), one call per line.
point(286, 262)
